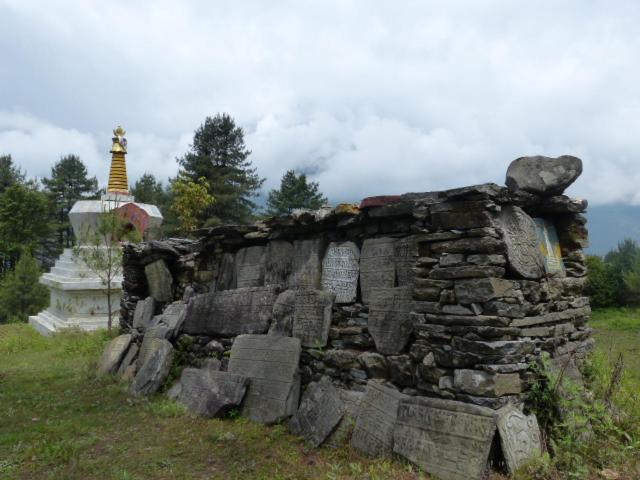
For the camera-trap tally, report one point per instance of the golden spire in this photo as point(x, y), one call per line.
point(118, 174)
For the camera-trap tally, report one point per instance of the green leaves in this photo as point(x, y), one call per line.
point(21, 294)
point(294, 192)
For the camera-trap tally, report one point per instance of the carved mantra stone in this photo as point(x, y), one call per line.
point(340, 271)
point(390, 322)
point(377, 265)
point(159, 280)
point(143, 313)
point(373, 433)
point(279, 256)
point(227, 274)
point(305, 314)
point(271, 363)
point(519, 437)
point(448, 439)
point(250, 264)
point(306, 267)
point(405, 256)
point(230, 312)
point(549, 246)
point(521, 239)
point(154, 368)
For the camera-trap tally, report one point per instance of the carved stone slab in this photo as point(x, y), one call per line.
point(250, 264)
point(169, 323)
point(320, 411)
point(377, 265)
point(405, 255)
point(521, 239)
point(279, 255)
point(307, 263)
point(340, 271)
point(549, 246)
point(390, 322)
point(113, 354)
point(271, 363)
point(305, 314)
point(159, 280)
point(143, 313)
point(373, 433)
point(154, 369)
point(351, 402)
point(227, 273)
point(230, 312)
point(519, 437)
point(448, 439)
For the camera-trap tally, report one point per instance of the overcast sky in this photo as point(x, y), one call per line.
point(368, 98)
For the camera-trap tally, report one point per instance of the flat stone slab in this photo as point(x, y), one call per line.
point(279, 257)
point(159, 280)
point(306, 264)
point(169, 323)
point(351, 404)
point(377, 265)
point(320, 411)
point(448, 439)
point(271, 363)
point(230, 312)
point(390, 322)
point(250, 267)
point(113, 354)
point(226, 273)
point(405, 256)
point(304, 314)
point(154, 369)
point(210, 393)
point(340, 271)
point(519, 437)
point(143, 313)
point(373, 432)
point(521, 239)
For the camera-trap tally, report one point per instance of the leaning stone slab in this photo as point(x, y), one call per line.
point(129, 361)
point(271, 363)
point(210, 393)
point(231, 312)
point(305, 314)
point(320, 410)
point(155, 368)
point(543, 175)
point(377, 265)
point(373, 432)
point(448, 439)
point(519, 437)
point(143, 313)
point(351, 404)
point(521, 239)
point(279, 256)
point(390, 322)
point(306, 263)
point(250, 264)
point(340, 271)
point(159, 280)
point(169, 323)
point(113, 354)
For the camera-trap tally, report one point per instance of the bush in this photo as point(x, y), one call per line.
point(601, 283)
point(21, 294)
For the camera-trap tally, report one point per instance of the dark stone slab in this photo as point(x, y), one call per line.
point(113, 354)
point(305, 314)
point(340, 271)
point(154, 369)
point(519, 436)
point(405, 255)
point(484, 289)
point(271, 363)
point(250, 267)
point(351, 404)
point(373, 432)
point(320, 411)
point(169, 323)
point(521, 239)
point(279, 256)
point(143, 313)
point(129, 360)
point(448, 439)
point(159, 280)
point(390, 322)
point(227, 274)
point(543, 175)
point(307, 263)
point(231, 312)
point(377, 265)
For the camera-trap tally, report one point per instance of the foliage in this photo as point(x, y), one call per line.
point(190, 200)
point(601, 282)
point(68, 184)
point(21, 294)
point(9, 174)
point(219, 155)
point(294, 192)
point(148, 189)
point(615, 279)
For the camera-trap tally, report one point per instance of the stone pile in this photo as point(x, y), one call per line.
point(397, 313)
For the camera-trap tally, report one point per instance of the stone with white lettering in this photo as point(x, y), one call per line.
point(305, 314)
point(521, 239)
point(373, 432)
point(377, 265)
point(250, 265)
point(306, 263)
point(279, 255)
point(230, 312)
point(405, 256)
point(159, 280)
point(271, 363)
point(340, 271)
point(390, 322)
point(448, 439)
point(519, 437)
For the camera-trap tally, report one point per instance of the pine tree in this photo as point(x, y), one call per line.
point(9, 174)
point(149, 190)
point(294, 192)
point(219, 155)
point(68, 184)
point(21, 294)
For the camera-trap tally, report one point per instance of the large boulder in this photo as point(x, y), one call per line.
point(153, 371)
point(113, 354)
point(543, 175)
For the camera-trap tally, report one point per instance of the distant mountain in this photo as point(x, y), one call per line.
point(610, 224)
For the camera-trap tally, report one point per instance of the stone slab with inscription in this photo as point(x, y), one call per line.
point(549, 246)
point(230, 312)
point(373, 432)
point(521, 240)
point(390, 322)
point(519, 437)
point(405, 256)
point(377, 265)
point(351, 402)
point(227, 273)
point(306, 263)
point(305, 314)
point(271, 363)
point(340, 271)
point(279, 255)
point(250, 265)
point(448, 439)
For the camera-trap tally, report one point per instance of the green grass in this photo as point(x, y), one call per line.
point(617, 331)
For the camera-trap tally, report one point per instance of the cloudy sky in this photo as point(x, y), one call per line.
point(367, 97)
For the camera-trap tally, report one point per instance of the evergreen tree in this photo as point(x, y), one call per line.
point(219, 155)
point(148, 190)
point(621, 261)
point(294, 192)
point(189, 199)
point(601, 282)
point(9, 173)
point(21, 294)
point(68, 184)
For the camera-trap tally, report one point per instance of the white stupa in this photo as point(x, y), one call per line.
point(78, 295)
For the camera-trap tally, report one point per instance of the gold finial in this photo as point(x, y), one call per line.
point(119, 142)
point(118, 174)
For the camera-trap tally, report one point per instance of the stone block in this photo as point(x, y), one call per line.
point(341, 270)
point(278, 263)
point(377, 265)
point(250, 267)
point(484, 289)
point(305, 314)
point(154, 369)
point(143, 313)
point(478, 382)
point(390, 322)
point(169, 323)
point(307, 263)
point(374, 364)
point(159, 280)
point(351, 405)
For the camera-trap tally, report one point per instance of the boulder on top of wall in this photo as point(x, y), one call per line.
point(543, 175)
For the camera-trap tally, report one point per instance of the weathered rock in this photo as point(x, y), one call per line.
point(374, 364)
point(377, 265)
point(521, 239)
point(227, 273)
point(484, 289)
point(305, 314)
point(113, 354)
point(404, 257)
point(543, 175)
point(307, 263)
point(519, 437)
point(169, 323)
point(478, 382)
point(159, 280)
point(271, 363)
point(494, 349)
point(469, 245)
point(401, 370)
point(466, 271)
point(341, 359)
point(487, 259)
point(155, 368)
point(128, 361)
point(279, 255)
point(390, 322)
point(250, 267)
point(340, 271)
point(143, 313)
point(351, 405)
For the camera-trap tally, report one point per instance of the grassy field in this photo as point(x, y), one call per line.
point(58, 421)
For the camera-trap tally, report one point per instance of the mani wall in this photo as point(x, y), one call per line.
point(417, 316)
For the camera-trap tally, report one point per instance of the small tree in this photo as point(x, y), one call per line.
point(9, 174)
point(294, 192)
point(21, 294)
point(601, 282)
point(190, 199)
point(100, 250)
